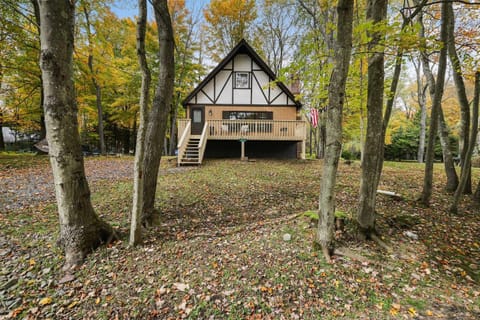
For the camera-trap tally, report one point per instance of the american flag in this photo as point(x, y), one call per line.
point(314, 117)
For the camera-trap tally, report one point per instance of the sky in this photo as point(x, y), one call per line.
point(128, 8)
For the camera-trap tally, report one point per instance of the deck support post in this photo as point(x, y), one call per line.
point(302, 151)
point(242, 144)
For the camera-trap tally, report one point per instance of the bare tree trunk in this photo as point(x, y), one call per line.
point(336, 96)
point(172, 146)
point(81, 230)
point(462, 98)
point(436, 105)
point(2, 141)
point(158, 116)
point(376, 12)
point(98, 89)
point(138, 180)
point(471, 145)
point(443, 132)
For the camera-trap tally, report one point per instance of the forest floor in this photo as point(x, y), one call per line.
point(218, 251)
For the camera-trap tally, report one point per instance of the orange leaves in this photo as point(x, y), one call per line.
point(236, 10)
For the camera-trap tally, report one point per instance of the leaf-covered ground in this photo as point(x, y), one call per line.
point(219, 252)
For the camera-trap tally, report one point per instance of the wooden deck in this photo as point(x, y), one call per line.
point(272, 130)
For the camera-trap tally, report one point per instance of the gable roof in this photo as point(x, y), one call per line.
point(242, 48)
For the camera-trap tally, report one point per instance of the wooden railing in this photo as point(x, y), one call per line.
point(202, 144)
point(184, 133)
point(257, 130)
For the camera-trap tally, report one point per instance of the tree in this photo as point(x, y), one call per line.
point(278, 32)
point(422, 103)
point(376, 13)
point(228, 22)
point(187, 68)
point(443, 132)
point(436, 105)
point(462, 99)
point(465, 175)
point(81, 230)
point(138, 183)
point(88, 11)
point(155, 119)
point(336, 96)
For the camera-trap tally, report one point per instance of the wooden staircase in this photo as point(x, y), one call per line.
point(191, 156)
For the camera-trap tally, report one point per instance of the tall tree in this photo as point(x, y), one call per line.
point(228, 22)
point(88, 11)
point(422, 104)
point(464, 176)
point(376, 13)
point(278, 32)
point(434, 115)
point(158, 114)
point(81, 230)
point(443, 132)
point(336, 98)
point(187, 69)
point(138, 183)
point(462, 98)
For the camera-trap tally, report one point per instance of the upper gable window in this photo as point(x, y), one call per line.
point(242, 80)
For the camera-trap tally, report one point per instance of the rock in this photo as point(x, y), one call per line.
point(67, 278)
point(46, 270)
point(287, 237)
point(10, 283)
point(411, 235)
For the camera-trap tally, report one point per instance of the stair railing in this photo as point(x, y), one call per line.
point(202, 144)
point(182, 143)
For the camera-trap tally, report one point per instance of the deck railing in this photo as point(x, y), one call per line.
point(257, 130)
point(288, 130)
point(184, 133)
point(202, 144)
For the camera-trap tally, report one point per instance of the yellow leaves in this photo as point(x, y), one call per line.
point(429, 313)
point(395, 309)
point(45, 301)
point(32, 262)
point(266, 289)
point(412, 311)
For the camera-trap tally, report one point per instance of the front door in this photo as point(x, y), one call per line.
point(197, 115)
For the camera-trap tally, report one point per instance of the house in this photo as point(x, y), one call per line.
point(239, 110)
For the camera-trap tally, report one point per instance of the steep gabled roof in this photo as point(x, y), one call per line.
point(242, 48)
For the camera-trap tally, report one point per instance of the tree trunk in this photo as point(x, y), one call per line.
point(443, 132)
point(462, 98)
point(2, 141)
point(436, 105)
point(158, 116)
point(81, 230)
point(472, 141)
point(422, 103)
point(172, 143)
point(376, 12)
point(43, 130)
point(336, 97)
point(98, 89)
point(138, 180)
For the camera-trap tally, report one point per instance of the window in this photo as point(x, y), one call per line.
point(264, 126)
point(242, 80)
point(247, 115)
point(197, 116)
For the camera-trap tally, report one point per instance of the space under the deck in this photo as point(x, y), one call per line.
point(253, 149)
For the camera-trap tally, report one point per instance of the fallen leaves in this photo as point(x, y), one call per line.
point(45, 301)
point(218, 252)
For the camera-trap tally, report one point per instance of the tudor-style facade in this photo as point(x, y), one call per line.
point(240, 101)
